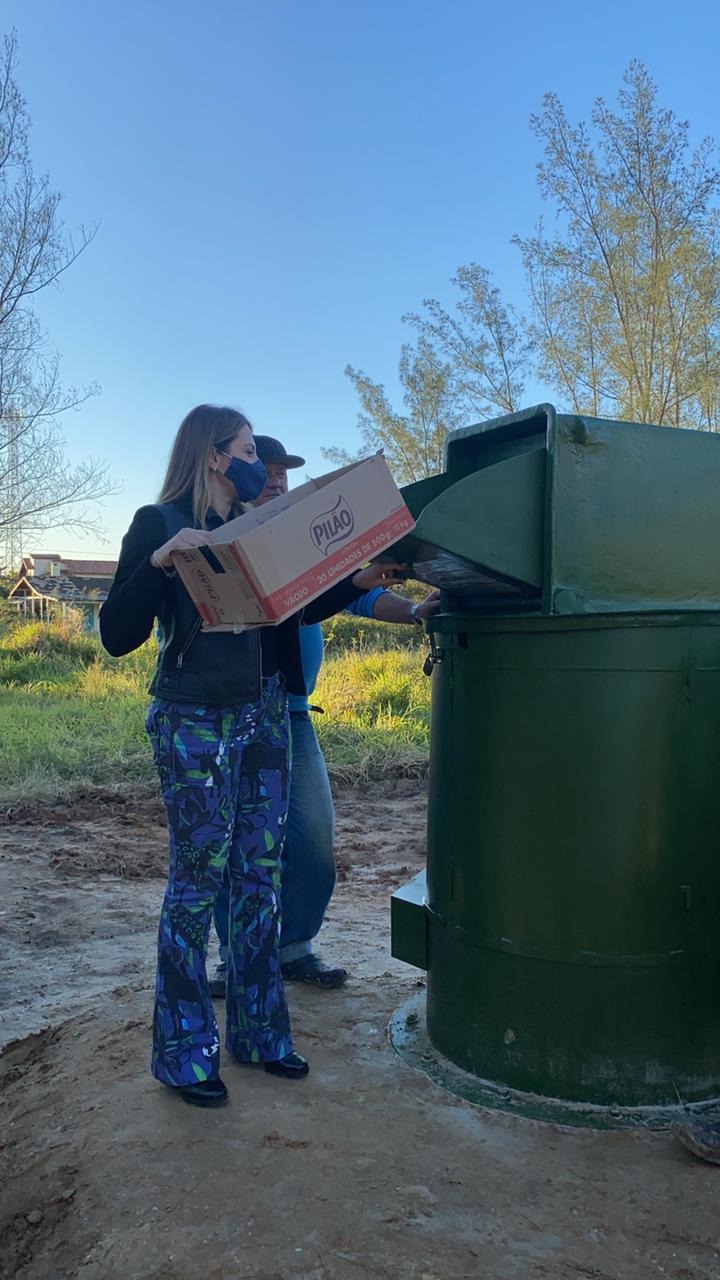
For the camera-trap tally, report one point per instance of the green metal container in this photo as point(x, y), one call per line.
point(570, 922)
point(557, 514)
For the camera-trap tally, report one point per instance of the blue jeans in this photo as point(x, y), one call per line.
point(308, 860)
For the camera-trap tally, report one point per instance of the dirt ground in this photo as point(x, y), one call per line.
point(366, 1169)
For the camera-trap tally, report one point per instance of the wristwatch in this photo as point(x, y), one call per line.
point(414, 614)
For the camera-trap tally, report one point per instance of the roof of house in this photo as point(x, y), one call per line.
point(86, 568)
point(61, 587)
point(91, 568)
point(90, 585)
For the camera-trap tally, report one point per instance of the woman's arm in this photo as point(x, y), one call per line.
point(138, 589)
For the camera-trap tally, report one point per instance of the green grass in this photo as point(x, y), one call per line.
point(72, 718)
point(377, 713)
point(345, 632)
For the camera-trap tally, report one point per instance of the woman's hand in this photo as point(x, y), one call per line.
point(182, 541)
point(380, 574)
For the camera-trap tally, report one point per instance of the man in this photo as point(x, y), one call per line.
point(308, 856)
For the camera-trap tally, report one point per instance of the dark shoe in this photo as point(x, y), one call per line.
point(293, 1067)
point(218, 982)
point(206, 1093)
point(701, 1137)
point(310, 969)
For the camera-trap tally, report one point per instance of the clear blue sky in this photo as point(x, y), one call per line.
point(278, 181)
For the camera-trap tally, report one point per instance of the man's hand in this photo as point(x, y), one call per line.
point(390, 607)
point(429, 606)
point(379, 574)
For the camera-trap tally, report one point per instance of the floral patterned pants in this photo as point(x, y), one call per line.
point(224, 777)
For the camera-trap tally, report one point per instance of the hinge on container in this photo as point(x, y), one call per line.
point(685, 891)
point(435, 656)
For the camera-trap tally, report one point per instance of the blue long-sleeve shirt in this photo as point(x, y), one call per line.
point(311, 646)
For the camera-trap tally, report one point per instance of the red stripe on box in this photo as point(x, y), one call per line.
point(206, 613)
point(324, 575)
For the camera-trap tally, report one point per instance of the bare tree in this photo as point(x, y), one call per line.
point(39, 488)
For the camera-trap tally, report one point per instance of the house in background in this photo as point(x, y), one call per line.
point(49, 585)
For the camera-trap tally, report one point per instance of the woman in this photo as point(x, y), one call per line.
point(219, 729)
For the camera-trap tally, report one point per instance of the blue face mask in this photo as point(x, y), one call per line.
point(249, 478)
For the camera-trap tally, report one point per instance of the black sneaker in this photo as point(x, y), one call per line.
point(701, 1137)
point(311, 969)
point(292, 1067)
point(206, 1093)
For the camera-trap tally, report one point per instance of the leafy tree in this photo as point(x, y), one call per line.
point(413, 442)
point(624, 315)
point(626, 295)
point(39, 488)
point(484, 342)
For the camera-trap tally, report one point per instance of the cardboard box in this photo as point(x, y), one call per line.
point(268, 563)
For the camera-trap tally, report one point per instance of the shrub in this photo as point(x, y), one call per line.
point(65, 640)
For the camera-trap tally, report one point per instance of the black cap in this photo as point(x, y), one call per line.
point(271, 450)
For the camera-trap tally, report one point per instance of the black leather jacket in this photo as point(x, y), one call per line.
point(218, 668)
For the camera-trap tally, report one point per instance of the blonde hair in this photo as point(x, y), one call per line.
point(206, 427)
